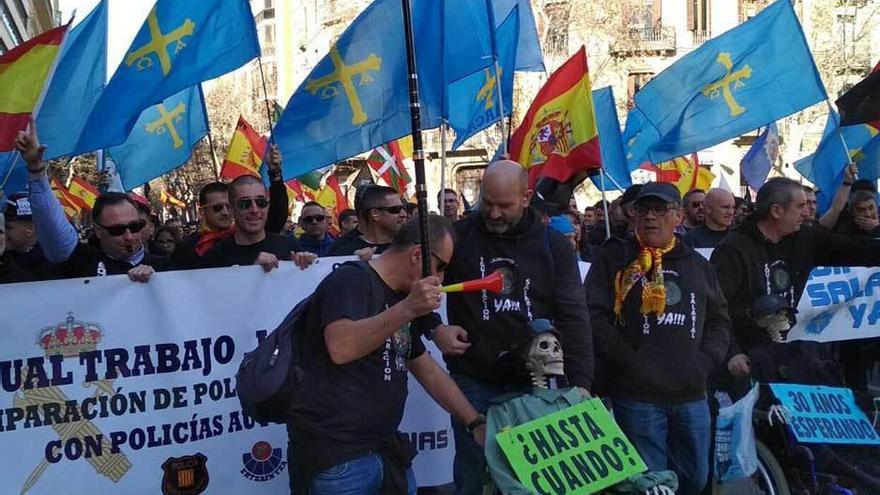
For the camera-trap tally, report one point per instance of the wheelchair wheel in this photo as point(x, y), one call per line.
point(769, 479)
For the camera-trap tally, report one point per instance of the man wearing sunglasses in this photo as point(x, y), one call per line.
point(114, 218)
point(380, 214)
point(694, 214)
point(314, 221)
point(250, 243)
point(359, 346)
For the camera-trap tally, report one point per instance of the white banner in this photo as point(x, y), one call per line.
point(130, 388)
point(839, 303)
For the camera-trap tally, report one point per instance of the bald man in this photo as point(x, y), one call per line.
point(720, 209)
point(488, 331)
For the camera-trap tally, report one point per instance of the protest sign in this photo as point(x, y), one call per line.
point(579, 450)
point(839, 303)
point(819, 414)
point(111, 386)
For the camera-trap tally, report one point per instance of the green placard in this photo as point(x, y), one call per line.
point(579, 450)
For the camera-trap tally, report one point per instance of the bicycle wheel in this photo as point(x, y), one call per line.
point(769, 479)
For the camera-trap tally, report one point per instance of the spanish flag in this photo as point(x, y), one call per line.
point(245, 152)
point(71, 204)
point(558, 137)
point(24, 71)
point(169, 199)
point(684, 173)
point(84, 191)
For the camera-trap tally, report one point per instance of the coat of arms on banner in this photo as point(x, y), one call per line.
point(263, 462)
point(187, 475)
point(68, 339)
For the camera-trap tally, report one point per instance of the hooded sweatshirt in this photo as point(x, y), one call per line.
point(657, 358)
point(542, 281)
point(750, 266)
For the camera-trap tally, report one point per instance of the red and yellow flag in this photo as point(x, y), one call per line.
point(84, 191)
point(24, 71)
point(558, 137)
point(71, 204)
point(169, 199)
point(331, 197)
point(683, 172)
point(245, 152)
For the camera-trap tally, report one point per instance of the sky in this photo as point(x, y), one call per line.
point(126, 17)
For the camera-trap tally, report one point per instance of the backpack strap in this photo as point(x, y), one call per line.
point(376, 292)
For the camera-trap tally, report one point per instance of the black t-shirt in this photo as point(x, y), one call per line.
point(228, 253)
point(348, 410)
point(90, 261)
point(703, 237)
point(351, 242)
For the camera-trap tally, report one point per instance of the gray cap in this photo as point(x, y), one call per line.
point(660, 190)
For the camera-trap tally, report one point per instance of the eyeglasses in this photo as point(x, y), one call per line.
point(118, 230)
point(245, 203)
point(394, 210)
point(218, 207)
point(658, 210)
point(312, 219)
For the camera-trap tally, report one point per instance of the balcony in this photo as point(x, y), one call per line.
point(645, 41)
point(699, 37)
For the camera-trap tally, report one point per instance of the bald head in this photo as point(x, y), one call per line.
point(505, 196)
point(720, 208)
point(506, 174)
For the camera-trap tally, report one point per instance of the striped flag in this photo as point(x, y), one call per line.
point(558, 137)
point(168, 199)
point(84, 191)
point(24, 71)
point(332, 197)
point(387, 161)
point(72, 205)
point(245, 152)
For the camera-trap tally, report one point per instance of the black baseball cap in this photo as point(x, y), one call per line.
point(18, 207)
point(631, 193)
point(660, 190)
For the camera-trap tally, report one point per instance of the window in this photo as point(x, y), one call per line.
point(10, 26)
point(557, 28)
point(268, 4)
point(634, 83)
point(698, 17)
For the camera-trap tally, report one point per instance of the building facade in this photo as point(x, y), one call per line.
point(24, 19)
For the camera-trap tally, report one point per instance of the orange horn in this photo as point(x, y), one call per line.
point(492, 283)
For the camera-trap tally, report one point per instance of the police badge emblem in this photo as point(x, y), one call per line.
point(187, 475)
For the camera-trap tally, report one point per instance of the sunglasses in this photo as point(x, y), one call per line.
point(118, 230)
point(217, 208)
point(245, 203)
point(394, 210)
point(313, 219)
point(441, 265)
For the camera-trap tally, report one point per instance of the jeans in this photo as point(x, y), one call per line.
point(469, 468)
point(670, 437)
point(362, 476)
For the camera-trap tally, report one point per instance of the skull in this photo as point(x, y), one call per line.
point(545, 356)
point(775, 324)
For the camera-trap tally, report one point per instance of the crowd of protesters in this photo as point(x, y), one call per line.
point(648, 296)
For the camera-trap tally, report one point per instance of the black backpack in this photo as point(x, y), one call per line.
point(269, 376)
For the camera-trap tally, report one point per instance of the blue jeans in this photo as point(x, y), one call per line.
point(469, 468)
point(670, 437)
point(362, 476)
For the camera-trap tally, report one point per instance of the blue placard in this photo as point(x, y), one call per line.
point(825, 415)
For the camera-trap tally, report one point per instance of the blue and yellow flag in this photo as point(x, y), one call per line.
point(825, 168)
point(356, 98)
point(610, 142)
point(76, 85)
point(528, 49)
point(475, 101)
point(180, 45)
point(748, 77)
point(162, 139)
point(638, 137)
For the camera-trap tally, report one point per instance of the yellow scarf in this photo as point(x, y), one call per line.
point(653, 292)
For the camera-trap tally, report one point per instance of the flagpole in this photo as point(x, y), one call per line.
point(605, 204)
point(840, 132)
point(213, 156)
point(266, 95)
point(442, 194)
point(418, 151)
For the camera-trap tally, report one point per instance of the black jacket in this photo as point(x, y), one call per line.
point(10, 272)
point(90, 261)
point(657, 358)
point(545, 283)
point(750, 266)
